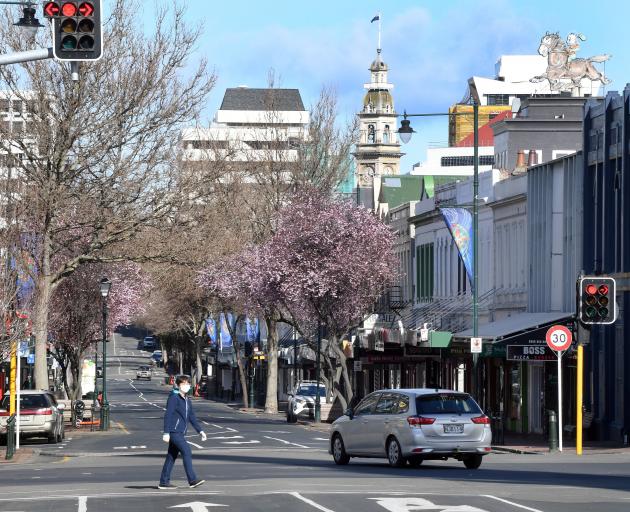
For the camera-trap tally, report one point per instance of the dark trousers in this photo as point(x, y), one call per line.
point(177, 445)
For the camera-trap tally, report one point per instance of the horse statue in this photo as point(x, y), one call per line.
point(564, 71)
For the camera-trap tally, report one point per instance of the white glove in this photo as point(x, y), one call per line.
point(166, 438)
point(203, 436)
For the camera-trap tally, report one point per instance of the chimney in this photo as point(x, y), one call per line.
point(521, 164)
point(532, 158)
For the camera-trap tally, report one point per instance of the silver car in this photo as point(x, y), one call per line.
point(40, 416)
point(413, 425)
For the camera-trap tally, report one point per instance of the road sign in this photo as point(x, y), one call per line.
point(475, 345)
point(30, 359)
point(559, 338)
point(358, 366)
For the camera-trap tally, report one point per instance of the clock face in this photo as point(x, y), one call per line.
point(366, 176)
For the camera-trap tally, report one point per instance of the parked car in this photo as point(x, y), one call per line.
point(149, 343)
point(143, 372)
point(302, 400)
point(413, 425)
point(40, 416)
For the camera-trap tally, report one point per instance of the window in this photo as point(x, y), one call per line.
point(424, 272)
point(446, 403)
point(386, 135)
point(367, 404)
point(27, 402)
point(387, 404)
point(498, 99)
point(403, 404)
point(370, 137)
point(4, 105)
point(18, 126)
point(462, 277)
point(17, 107)
point(466, 160)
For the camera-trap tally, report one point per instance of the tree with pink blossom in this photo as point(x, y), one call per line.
point(75, 316)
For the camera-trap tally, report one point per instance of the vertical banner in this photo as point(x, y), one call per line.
point(226, 337)
point(459, 222)
point(211, 327)
point(253, 330)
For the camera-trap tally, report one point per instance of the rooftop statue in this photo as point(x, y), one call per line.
point(565, 71)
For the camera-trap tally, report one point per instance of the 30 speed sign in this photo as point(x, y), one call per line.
point(559, 338)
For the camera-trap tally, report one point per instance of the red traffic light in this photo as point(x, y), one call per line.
point(86, 9)
point(603, 289)
point(51, 9)
point(69, 9)
point(591, 289)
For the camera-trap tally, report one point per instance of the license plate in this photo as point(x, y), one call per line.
point(454, 429)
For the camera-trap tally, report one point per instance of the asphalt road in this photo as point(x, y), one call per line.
point(257, 463)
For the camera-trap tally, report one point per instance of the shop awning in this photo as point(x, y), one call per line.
point(515, 325)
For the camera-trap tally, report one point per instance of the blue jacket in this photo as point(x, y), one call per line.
point(179, 412)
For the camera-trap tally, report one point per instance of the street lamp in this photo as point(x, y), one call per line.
point(28, 21)
point(405, 132)
point(318, 406)
point(105, 286)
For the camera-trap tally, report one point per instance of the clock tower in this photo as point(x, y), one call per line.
point(377, 153)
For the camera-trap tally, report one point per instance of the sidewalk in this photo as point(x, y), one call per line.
point(21, 456)
point(538, 444)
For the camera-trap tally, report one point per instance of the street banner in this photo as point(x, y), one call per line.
point(226, 337)
point(211, 327)
point(253, 330)
point(459, 222)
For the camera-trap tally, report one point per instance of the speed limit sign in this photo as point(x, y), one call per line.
point(559, 338)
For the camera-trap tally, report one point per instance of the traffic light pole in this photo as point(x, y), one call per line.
point(28, 56)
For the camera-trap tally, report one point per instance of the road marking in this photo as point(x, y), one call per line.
point(320, 439)
point(82, 504)
point(240, 442)
point(275, 432)
point(122, 427)
point(310, 502)
point(198, 506)
point(226, 437)
point(195, 445)
point(511, 503)
point(286, 442)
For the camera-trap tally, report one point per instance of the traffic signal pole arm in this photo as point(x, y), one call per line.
point(28, 56)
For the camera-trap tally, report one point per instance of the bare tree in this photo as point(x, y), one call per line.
point(97, 156)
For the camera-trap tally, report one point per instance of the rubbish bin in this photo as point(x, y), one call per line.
point(498, 433)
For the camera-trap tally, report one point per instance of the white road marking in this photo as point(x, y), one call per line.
point(310, 502)
point(227, 437)
point(82, 504)
point(121, 447)
point(320, 439)
point(413, 504)
point(275, 432)
point(286, 442)
point(86, 473)
point(240, 442)
point(195, 445)
point(198, 506)
point(511, 503)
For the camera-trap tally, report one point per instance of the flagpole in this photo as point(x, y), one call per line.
point(379, 32)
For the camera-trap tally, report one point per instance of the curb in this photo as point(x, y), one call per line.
point(505, 449)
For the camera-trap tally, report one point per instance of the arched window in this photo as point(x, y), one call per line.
point(386, 134)
point(371, 134)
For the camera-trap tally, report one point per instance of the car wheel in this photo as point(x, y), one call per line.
point(291, 418)
point(52, 438)
point(394, 453)
point(416, 462)
point(473, 461)
point(340, 456)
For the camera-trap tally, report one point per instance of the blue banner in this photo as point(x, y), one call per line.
point(211, 327)
point(253, 330)
point(226, 337)
point(459, 222)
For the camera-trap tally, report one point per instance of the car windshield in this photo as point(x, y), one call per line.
point(446, 403)
point(310, 390)
point(26, 402)
point(143, 368)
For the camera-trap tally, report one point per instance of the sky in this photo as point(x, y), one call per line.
point(431, 47)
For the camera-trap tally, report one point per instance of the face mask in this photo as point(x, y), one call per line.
point(184, 388)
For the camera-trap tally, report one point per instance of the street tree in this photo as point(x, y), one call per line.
point(75, 314)
point(97, 157)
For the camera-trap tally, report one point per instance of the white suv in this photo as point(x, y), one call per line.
point(302, 400)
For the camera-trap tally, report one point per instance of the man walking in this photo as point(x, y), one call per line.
point(178, 413)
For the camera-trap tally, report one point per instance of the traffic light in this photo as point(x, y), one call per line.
point(597, 300)
point(77, 29)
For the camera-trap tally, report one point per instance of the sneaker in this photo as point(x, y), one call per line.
point(196, 483)
point(167, 486)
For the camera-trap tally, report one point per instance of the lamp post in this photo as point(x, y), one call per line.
point(405, 132)
point(105, 286)
point(318, 406)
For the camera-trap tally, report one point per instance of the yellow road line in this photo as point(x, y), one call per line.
point(122, 427)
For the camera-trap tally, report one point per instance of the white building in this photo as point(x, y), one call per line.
point(252, 125)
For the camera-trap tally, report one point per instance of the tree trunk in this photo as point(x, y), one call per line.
point(271, 400)
point(40, 329)
point(241, 375)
